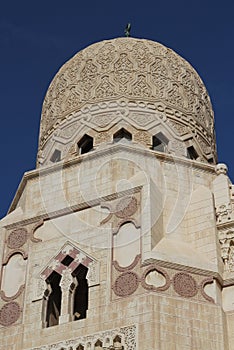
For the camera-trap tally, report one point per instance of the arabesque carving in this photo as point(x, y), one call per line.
point(226, 240)
point(9, 313)
point(124, 338)
point(185, 285)
point(136, 70)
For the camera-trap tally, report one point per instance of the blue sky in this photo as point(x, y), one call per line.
point(36, 38)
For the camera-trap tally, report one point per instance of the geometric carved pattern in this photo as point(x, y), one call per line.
point(127, 335)
point(126, 284)
point(17, 238)
point(70, 258)
point(185, 285)
point(135, 69)
point(9, 313)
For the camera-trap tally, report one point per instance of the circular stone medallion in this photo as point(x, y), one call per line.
point(17, 238)
point(185, 285)
point(126, 284)
point(9, 313)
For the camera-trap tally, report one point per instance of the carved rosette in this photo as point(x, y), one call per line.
point(17, 238)
point(9, 313)
point(185, 285)
point(126, 284)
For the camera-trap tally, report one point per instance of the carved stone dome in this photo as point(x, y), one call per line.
point(123, 73)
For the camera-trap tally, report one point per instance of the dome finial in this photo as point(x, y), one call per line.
point(127, 30)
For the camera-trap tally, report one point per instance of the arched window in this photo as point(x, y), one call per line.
point(122, 134)
point(160, 142)
point(53, 296)
point(80, 347)
point(191, 153)
point(56, 156)
point(98, 345)
point(80, 295)
point(85, 144)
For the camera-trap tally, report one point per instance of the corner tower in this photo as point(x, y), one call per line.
point(121, 238)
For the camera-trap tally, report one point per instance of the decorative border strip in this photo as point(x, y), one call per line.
point(73, 208)
point(128, 336)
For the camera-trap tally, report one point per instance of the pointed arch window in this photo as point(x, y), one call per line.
point(56, 156)
point(85, 144)
point(122, 134)
point(160, 142)
point(53, 296)
point(192, 153)
point(80, 294)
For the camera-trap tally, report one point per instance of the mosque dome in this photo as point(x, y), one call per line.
point(141, 80)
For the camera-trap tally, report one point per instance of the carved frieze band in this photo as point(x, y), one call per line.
point(118, 338)
point(184, 284)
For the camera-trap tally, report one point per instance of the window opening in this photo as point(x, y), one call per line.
point(191, 153)
point(98, 345)
point(159, 142)
point(122, 134)
point(118, 343)
point(54, 299)
point(80, 347)
point(81, 293)
point(85, 145)
point(56, 156)
point(211, 160)
point(67, 260)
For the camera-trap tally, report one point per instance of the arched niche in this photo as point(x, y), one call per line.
point(126, 244)
point(13, 275)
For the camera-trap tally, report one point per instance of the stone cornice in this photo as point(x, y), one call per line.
point(109, 150)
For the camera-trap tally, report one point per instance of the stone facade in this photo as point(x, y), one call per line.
point(122, 238)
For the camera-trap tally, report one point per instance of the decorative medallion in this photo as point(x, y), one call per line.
point(126, 284)
point(185, 285)
point(17, 238)
point(9, 313)
point(126, 207)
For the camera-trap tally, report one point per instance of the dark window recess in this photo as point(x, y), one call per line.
point(80, 347)
point(118, 343)
point(56, 156)
point(211, 160)
point(98, 343)
point(191, 153)
point(54, 300)
point(85, 145)
point(122, 134)
point(81, 293)
point(67, 260)
point(158, 145)
point(160, 142)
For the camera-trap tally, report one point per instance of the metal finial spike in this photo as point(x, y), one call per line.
point(127, 30)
